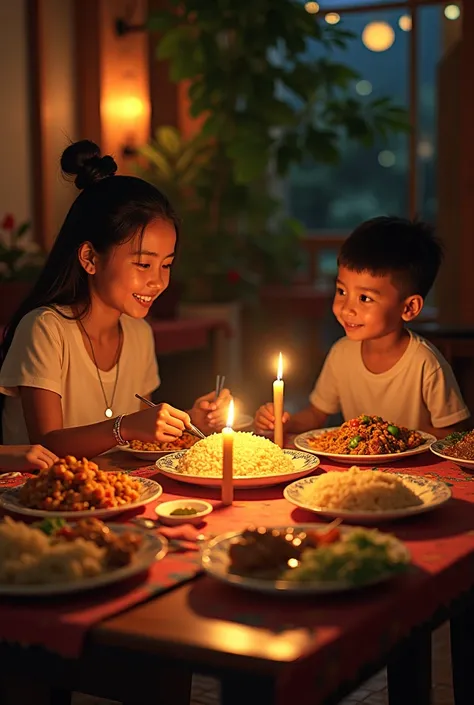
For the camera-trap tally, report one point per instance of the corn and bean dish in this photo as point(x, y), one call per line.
point(367, 435)
point(75, 485)
point(182, 443)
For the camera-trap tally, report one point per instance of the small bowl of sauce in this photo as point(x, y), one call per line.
point(183, 511)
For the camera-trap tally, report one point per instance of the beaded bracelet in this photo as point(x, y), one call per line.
point(116, 431)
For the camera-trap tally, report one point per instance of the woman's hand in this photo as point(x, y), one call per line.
point(161, 423)
point(18, 458)
point(210, 414)
point(265, 418)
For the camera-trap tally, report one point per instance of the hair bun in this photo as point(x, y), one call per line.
point(84, 161)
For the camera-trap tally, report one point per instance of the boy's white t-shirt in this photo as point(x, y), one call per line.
point(419, 391)
point(48, 352)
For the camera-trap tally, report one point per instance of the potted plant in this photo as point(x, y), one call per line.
point(264, 104)
point(20, 263)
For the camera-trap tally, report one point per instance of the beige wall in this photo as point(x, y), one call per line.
point(58, 106)
point(15, 145)
point(58, 109)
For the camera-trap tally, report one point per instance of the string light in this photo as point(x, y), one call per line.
point(405, 23)
point(332, 18)
point(386, 158)
point(378, 36)
point(312, 8)
point(452, 12)
point(364, 87)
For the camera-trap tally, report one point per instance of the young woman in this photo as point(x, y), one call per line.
point(78, 350)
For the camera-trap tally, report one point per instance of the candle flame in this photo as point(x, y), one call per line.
point(280, 367)
point(230, 414)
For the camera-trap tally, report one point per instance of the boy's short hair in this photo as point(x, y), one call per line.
point(407, 250)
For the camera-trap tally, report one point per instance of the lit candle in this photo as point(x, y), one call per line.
point(278, 388)
point(227, 457)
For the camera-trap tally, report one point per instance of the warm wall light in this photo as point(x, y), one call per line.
point(378, 36)
point(131, 108)
point(312, 8)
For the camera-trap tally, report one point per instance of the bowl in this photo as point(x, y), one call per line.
point(164, 511)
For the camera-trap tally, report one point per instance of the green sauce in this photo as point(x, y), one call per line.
point(183, 512)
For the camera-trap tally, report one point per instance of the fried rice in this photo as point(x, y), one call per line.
point(367, 435)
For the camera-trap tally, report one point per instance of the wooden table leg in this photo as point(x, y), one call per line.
point(409, 671)
point(30, 693)
point(175, 689)
point(249, 690)
point(462, 655)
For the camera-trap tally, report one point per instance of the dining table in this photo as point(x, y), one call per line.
point(141, 641)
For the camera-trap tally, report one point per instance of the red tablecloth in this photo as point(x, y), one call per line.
point(441, 542)
point(347, 625)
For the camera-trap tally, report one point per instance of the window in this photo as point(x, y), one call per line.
point(397, 52)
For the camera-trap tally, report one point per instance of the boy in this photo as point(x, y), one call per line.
point(385, 270)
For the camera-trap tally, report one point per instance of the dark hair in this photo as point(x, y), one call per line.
point(109, 211)
point(407, 250)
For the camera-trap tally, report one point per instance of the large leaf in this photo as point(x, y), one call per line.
point(169, 139)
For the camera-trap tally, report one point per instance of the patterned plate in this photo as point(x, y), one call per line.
point(301, 442)
point(154, 547)
point(215, 561)
point(150, 455)
point(433, 493)
point(303, 464)
point(150, 490)
point(438, 449)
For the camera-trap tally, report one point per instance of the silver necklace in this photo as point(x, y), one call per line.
point(108, 407)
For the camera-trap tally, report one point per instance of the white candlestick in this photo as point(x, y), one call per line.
point(227, 458)
point(278, 403)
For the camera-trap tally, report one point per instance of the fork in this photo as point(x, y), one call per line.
point(194, 430)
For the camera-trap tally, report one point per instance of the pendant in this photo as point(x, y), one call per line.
point(109, 413)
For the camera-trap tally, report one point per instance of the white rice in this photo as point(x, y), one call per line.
point(253, 456)
point(360, 490)
point(29, 557)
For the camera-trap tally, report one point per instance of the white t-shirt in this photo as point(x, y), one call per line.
point(48, 352)
point(419, 391)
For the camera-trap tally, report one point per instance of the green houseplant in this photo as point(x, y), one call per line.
point(265, 105)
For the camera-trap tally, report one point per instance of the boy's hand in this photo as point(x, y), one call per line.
point(18, 458)
point(265, 418)
point(210, 414)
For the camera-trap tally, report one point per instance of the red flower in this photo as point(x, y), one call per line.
point(8, 222)
point(233, 277)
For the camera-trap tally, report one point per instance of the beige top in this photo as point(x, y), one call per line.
point(48, 352)
point(419, 391)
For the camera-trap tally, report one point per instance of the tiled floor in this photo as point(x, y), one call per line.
point(374, 692)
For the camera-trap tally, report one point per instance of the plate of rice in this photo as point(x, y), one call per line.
point(35, 562)
point(367, 496)
point(303, 559)
point(457, 447)
point(257, 462)
point(366, 440)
